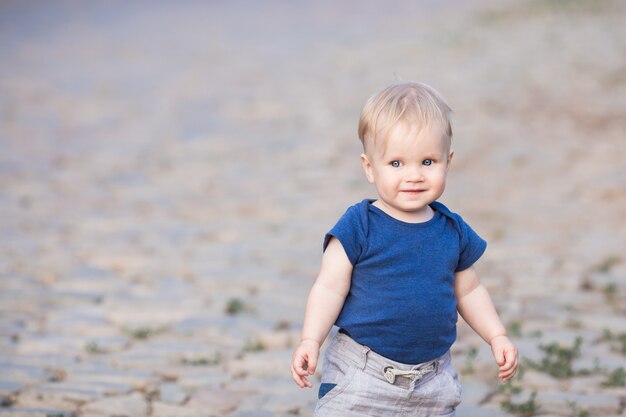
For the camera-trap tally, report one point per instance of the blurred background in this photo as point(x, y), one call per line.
point(168, 171)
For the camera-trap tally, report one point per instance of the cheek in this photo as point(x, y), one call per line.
point(439, 178)
point(385, 182)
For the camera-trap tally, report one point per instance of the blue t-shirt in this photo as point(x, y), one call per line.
point(401, 302)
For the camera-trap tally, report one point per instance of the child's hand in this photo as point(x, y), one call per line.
point(505, 354)
point(304, 362)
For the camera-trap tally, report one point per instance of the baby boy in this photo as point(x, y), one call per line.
point(396, 272)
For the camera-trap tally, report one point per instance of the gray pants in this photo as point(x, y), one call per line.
point(359, 382)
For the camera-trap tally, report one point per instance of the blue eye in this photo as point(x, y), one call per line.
point(427, 162)
point(395, 164)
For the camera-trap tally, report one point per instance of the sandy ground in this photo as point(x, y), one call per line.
point(168, 171)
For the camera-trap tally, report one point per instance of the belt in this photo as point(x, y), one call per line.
point(394, 373)
point(413, 375)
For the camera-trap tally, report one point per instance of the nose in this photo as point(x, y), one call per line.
point(415, 174)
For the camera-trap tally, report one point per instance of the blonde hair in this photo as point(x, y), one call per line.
point(414, 103)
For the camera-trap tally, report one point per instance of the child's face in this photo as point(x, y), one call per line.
point(408, 169)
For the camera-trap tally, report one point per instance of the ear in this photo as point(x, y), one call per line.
point(367, 167)
point(450, 155)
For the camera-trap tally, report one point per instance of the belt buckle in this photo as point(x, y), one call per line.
point(389, 375)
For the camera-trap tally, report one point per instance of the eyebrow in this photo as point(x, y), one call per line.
point(393, 157)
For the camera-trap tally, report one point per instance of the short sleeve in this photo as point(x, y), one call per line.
point(472, 246)
point(349, 231)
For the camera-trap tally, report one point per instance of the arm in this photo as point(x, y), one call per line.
point(323, 307)
point(475, 306)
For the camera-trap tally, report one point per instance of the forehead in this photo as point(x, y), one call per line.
point(409, 138)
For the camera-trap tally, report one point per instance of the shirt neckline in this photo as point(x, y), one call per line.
point(428, 222)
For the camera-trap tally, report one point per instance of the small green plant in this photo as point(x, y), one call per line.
point(254, 346)
point(515, 329)
point(93, 348)
point(536, 334)
point(526, 408)
point(145, 332)
point(617, 378)
point(558, 359)
point(215, 360)
point(509, 388)
point(610, 291)
point(606, 265)
point(617, 341)
point(235, 306)
point(470, 359)
point(573, 324)
point(576, 411)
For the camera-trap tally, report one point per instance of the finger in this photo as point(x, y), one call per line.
point(509, 373)
point(506, 366)
point(300, 380)
point(512, 360)
point(297, 378)
point(300, 365)
point(507, 376)
point(509, 366)
point(312, 364)
point(511, 355)
point(498, 355)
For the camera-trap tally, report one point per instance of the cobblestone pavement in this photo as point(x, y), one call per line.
point(167, 172)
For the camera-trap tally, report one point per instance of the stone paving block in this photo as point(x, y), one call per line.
point(540, 380)
point(594, 403)
point(43, 361)
point(266, 413)
point(280, 340)
point(34, 412)
point(51, 345)
point(217, 400)
point(83, 321)
point(150, 312)
point(134, 405)
point(103, 387)
point(476, 392)
point(70, 298)
point(200, 378)
point(135, 379)
point(61, 394)
point(296, 401)
point(172, 393)
point(24, 374)
point(263, 385)
point(180, 351)
point(9, 387)
point(257, 413)
point(160, 409)
point(599, 356)
point(469, 410)
point(261, 364)
point(139, 358)
point(591, 384)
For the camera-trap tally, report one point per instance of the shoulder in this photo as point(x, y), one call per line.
point(447, 213)
point(351, 230)
point(471, 245)
point(357, 215)
point(454, 219)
